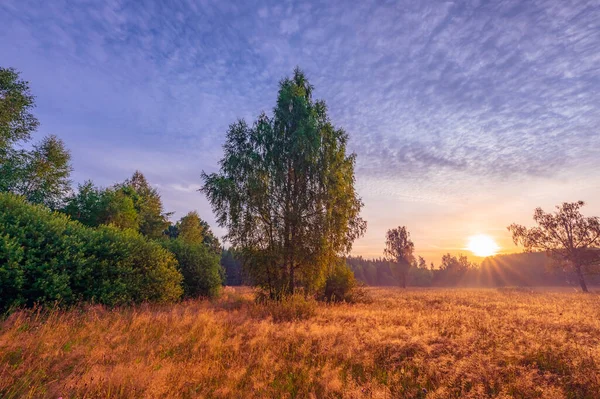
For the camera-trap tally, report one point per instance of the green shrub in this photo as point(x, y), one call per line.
point(200, 267)
point(341, 286)
point(46, 257)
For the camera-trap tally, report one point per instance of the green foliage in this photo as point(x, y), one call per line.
point(192, 229)
point(199, 265)
point(46, 257)
point(132, 204)
point(146, 201)
point(42, 174)
point(340, 284)
point(285, 192)
point(93, 207)
point(118, 209)
point(16, 103)
point(85, 205)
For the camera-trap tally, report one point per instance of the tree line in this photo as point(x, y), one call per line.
point(285, 193)
point(112, 245)
point(563, 249)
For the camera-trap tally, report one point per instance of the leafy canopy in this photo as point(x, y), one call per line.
point(41, 175)
point(16, 103)
point(285, 191)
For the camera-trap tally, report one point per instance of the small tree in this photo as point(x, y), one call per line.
point(566, 235)
point(399, 250)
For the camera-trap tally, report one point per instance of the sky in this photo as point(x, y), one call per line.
point(464, 115)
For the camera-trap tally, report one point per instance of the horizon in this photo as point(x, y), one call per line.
point(462, 125)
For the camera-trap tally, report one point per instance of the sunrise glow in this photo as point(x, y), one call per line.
point(482, 245)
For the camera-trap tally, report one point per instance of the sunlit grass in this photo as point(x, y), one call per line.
point(413, 344)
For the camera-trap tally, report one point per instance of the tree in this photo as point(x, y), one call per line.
point(456, 265)
point(399, 250)
point(285, 192)
point(146, 200)
point(16, 102)
point(93, 207)
point(192, 229)
point(118, 209)
point(85, 205)
point(42, 174)
point(571, 239)
point(199, 265)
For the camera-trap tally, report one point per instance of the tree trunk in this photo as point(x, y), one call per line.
point(581, 279)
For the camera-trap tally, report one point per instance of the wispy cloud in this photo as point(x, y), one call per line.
point(434, 95)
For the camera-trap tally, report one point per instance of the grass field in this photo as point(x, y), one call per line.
point(414, 344)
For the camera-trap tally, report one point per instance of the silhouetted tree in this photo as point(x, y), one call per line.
point(399, 250)
point(285, 192)
point(566, 235)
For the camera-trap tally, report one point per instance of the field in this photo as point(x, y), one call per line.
point(414, 344)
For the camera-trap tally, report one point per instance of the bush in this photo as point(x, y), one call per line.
point(200, 267)
point(340, 285)
point(46, 257)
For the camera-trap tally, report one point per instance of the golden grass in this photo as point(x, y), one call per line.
point(414, 344)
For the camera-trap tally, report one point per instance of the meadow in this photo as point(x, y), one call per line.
point(416, 343)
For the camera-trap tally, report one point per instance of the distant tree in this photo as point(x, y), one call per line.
point(86, 204)
point(148, 204)
point(456, 264)
point(118, 209)
point(190, 228)
point(93, 207)
point(399, 250)
point(193, 229)
point(421, 263)
point(455, 270)
point(232, 265)
point(285, 192)
point(571, 239)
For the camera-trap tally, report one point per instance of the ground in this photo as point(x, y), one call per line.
point(430, 343)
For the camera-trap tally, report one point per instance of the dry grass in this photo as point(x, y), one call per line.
point(413, 344)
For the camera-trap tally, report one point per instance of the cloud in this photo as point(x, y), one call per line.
point(434, 95)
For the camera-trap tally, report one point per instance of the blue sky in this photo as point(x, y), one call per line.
point(464, 115)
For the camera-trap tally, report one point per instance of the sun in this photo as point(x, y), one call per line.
point(482, 245)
